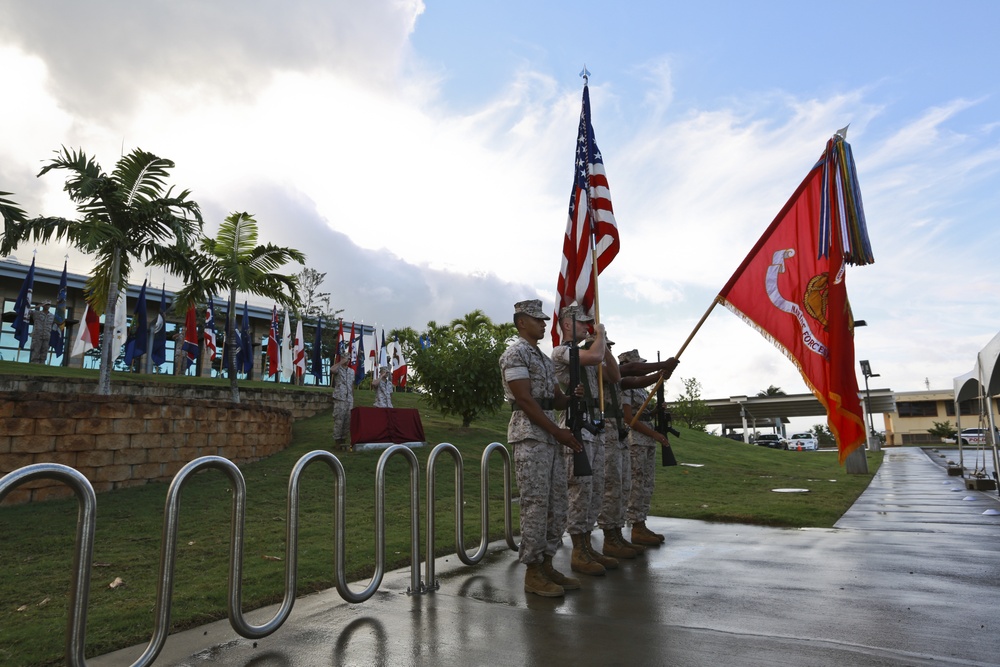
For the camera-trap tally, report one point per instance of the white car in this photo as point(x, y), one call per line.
point(802, 442)
point(972, 436)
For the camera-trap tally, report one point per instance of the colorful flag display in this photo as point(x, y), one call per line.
point(190, 345)
point(287, 362)
point(244, 359)
point(299, 351)
point(135, 345)
point(210, 343)
point(120, 330)
point(273, 356)
point(158, 354)
point(791, 287)
point(56, 339)
point(359, 368)
point(398, 363)
point(90, 332)
point(22, 307)
point(591, 230)
point(316, 361)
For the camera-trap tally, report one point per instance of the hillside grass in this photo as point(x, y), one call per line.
point(36, 541)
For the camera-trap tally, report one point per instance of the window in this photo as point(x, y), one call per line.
point(917, 408)
point(969, 407)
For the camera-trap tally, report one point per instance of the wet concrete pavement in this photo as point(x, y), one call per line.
point(909, 576)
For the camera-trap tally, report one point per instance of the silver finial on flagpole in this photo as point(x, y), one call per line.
point(842, 132)
point(585, 74)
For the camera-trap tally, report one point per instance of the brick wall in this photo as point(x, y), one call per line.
point(301, 402)
point(118, 441)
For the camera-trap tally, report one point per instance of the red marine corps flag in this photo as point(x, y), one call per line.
point(591, 231)
point(792, 286)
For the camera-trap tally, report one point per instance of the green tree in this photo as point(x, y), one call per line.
point(771, 391)
point(823, 435)
point(315, 305)
point(459, 370)
point(126, 216)
point(943, 430)
point(233, 262)
point(690, 408)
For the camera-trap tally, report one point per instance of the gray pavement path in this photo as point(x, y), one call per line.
point(909, 576)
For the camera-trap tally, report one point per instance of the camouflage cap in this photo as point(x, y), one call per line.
point(630, 357)
point(567, 312)
point(531, 308)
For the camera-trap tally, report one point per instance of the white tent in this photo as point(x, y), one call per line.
point(983, 383)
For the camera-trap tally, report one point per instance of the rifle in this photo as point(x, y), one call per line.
point(577, 417)
point(663, 423)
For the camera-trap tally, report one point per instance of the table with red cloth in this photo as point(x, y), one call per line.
point(395, 425)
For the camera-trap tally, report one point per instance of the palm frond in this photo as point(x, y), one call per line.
point(142, 176)
point(86, 180)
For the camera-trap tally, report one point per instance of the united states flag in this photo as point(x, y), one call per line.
point(591, 229)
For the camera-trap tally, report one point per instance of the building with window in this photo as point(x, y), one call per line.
point(917, 411)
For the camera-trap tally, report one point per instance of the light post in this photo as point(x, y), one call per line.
point(866, 370)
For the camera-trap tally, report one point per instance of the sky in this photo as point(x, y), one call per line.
point(420, 153)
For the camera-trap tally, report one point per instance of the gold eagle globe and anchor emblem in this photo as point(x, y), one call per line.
point(816, 299)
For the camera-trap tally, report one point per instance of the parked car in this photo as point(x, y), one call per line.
point(802, 442)
point(772, 440)
point(973, 436)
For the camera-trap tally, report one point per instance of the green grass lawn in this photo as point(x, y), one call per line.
point(36, 541)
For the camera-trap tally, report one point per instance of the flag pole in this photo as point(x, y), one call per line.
point(585, 74)
point(659, 380)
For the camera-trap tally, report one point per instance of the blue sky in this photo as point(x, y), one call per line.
point(420, 153)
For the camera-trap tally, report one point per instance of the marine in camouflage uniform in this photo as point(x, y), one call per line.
point(41, 333)
point(383, 389)
point(642, 440)
point(585, 493)
point(530, 388)
point(342, 379)
point(617, 468)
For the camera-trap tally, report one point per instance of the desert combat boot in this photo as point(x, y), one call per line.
point(608, 562)
point(581, 561)
point(615, 547)
point(536, 582)
point(643, 535)
point(557, 577)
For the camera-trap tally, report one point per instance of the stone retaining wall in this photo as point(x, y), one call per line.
point(118, 441)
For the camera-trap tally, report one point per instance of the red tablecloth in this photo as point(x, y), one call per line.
point(396, 425)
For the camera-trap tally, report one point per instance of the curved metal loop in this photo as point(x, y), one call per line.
point(236, 617)
point(86, 522)
point(168, 548)
point(484, 537)
point(415, 587)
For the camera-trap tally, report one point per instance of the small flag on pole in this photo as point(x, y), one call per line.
point(56, 340)
point(158, 355)
point(22, 307)
point(299, 351)
point(90, 332)
point(135, 346)
point(316, 363)
point(273, 360)
point(190, 345)
point(210, 342)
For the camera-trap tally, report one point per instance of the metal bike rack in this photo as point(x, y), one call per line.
point(484, 535)
point(86, 524)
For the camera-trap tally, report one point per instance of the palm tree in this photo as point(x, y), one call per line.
point(471, 322)
point(126, 216)
point(234, 262)
point(771, 391)
point(9, 211)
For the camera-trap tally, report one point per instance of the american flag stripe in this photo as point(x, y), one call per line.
point(591, 216)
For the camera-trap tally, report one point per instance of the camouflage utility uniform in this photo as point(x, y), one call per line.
point(585, 493)
point(383, 391)
point(642, 450)
point(343, 400)
point(538, 462)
